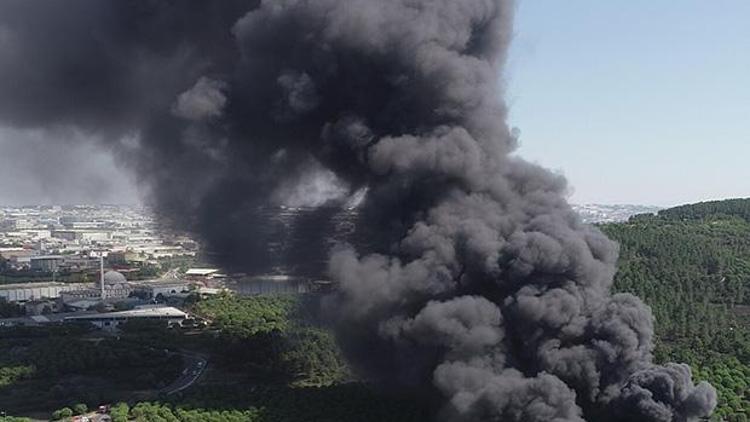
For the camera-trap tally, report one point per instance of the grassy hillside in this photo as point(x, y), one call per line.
point(691, 264)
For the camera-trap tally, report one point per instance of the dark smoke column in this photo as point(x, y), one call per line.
point(495, 294)
point(486, 290)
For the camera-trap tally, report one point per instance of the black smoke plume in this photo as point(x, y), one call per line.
point(486, 288)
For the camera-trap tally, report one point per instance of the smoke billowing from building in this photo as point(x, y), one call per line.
point(485, 289)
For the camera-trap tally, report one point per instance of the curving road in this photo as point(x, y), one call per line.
point(194, 366)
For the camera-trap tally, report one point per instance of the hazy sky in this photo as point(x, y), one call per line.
point(642, 102)
point(46, 168)
point(635, 101)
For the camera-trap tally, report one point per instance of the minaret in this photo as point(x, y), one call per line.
point(101, 272)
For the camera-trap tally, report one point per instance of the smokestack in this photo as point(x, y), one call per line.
point(481, 285)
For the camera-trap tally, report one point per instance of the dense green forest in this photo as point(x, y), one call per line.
point(691, 264)
point(275, 336)
point(43, 367)
point(739, 207)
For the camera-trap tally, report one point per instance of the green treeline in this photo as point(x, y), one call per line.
point(55, 357)
point(729, 207)
point(275, 335)
point(49, 366)
point(691, 264)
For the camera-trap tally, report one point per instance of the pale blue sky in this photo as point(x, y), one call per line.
point(641, 101)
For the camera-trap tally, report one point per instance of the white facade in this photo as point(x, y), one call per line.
point(111, 320)
point(34, 291)
point(164, 288)
point(95, 236)
point(201, 272)
point(38, 234)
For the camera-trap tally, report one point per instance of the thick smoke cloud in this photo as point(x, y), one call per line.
point(201, 102)
point(482, 286)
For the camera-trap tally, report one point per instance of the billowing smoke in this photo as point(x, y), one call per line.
point(483, 286)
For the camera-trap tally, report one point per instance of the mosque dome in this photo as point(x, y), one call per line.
point(113, 277)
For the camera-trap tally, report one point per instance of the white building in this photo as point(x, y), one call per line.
point(34, 291)
point(111, 320)
point(94, 236)
point(201, 272)
point(166, 288)
point(115, 287)
point(38, 234)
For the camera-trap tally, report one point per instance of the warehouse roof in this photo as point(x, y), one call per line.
point(143, 312)
point(201, 271)
point(33, 285)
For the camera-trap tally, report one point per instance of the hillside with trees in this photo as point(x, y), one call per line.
point(44, 367)
point(691, 264)
point(739, 207)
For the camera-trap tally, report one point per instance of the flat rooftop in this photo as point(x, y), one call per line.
point(159, 283)
point(143, 312)
point(201, 271)
point(275, 278)
point(41, 285)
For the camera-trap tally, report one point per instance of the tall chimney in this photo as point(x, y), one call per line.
point(101, 272)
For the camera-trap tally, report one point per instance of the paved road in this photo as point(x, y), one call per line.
point(194, 365)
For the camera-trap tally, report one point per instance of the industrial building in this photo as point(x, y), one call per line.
point(82, 235)
point(111, 320)
point(272, 284)
point(165, 288)
point(200, 273)
point(33, 291)
point(17, 256)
